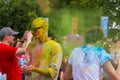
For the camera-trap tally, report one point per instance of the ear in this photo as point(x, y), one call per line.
point(6, 36)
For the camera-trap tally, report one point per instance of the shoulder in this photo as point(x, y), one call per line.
point(97, 49)
point(53, 43)
point(77, 51)
point(5, 47)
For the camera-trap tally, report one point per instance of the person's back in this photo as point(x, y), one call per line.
point(87, 62)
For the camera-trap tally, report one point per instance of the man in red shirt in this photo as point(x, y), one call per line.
point(8, 61)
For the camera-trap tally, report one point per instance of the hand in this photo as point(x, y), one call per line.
point(31, 68)
point(24, 38)
point(29, 35)
point(25, 70)
point(28, 69)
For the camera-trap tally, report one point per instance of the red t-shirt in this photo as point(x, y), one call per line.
point(9, 63)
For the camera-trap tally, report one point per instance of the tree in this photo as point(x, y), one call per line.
point(18, 14)
point(111, 8)
point(81, 4)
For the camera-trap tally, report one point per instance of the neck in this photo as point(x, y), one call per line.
point(5, 42)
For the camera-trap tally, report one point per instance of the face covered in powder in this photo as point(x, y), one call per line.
point(40, 28)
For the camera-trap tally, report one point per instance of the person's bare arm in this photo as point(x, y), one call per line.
point(118, 66)
point(25, 44)
point(68, 72)
point(109, 69)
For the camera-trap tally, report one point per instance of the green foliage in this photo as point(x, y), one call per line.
point(111, 8)
point(81, 4)
point(114, 33)
point(18, 14)
point(59, 4)
point(85, 3)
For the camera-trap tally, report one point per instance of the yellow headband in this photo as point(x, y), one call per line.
point(40, 23)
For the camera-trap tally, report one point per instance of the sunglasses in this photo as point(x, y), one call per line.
point(34, 29)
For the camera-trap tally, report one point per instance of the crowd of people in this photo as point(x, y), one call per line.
point(36, 57)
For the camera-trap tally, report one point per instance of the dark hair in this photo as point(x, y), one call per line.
point(94, 34)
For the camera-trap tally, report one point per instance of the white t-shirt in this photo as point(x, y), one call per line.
point(86, 62)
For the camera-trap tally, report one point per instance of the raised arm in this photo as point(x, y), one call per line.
point(25, 44)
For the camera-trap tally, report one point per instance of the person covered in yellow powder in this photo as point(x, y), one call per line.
point(44, 56)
